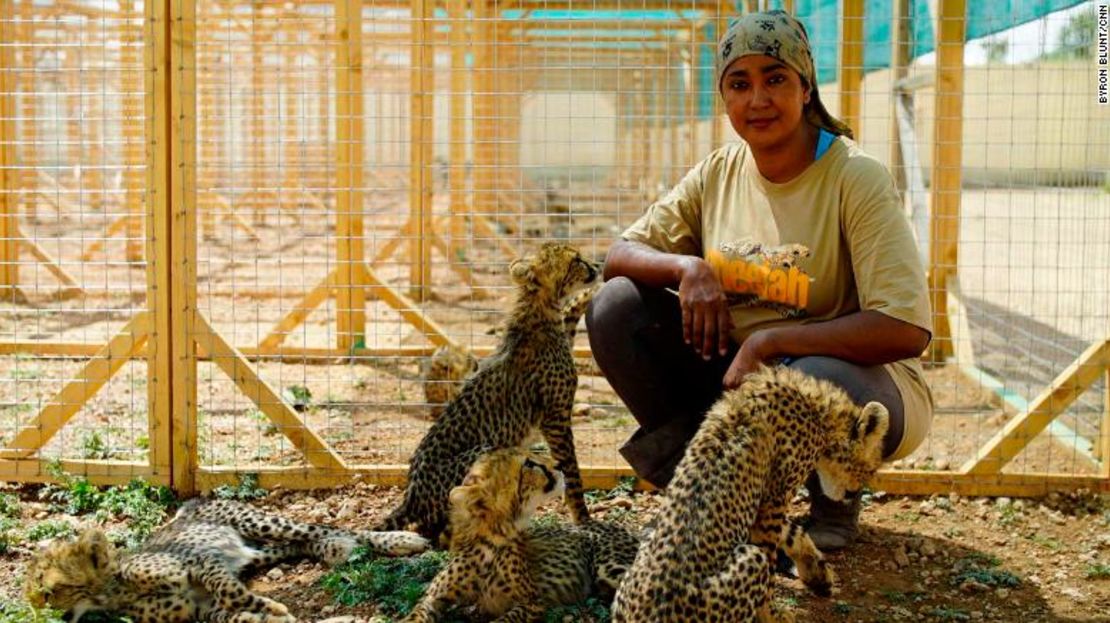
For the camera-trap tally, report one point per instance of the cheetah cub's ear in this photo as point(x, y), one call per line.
point(871, 426)
point(521, 270)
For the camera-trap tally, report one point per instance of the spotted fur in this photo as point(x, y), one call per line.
point(527, 384)
point(190, 568)
point(445, 372)
point(709, 557)
point(511, 570)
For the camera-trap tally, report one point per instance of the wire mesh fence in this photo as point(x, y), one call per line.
point(234, 233)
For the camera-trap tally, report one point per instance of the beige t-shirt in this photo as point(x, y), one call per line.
point(830, 242)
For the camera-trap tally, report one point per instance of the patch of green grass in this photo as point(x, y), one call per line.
point(623, 489)
point(944, 613)
point(19, 612)
point(592, 610)
point(8, 534)
point(1009, 515)
point(394, 584)
point(48, 529)
point(983, 568)
point(299, 396)
point(9, 505)
point(247, 489)
point(842, 608)
point(93, 447)
point(1046, 542)
point(1098, 571)
point(141, 504)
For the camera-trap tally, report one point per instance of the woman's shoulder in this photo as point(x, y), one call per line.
point(856, 164)
point(724, 159)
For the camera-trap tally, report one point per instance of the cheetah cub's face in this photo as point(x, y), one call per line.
point(847, 464)
point(505, 486)
point(71, 575)
point(557, 270)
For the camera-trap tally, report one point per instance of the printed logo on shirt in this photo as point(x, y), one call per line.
point(754, 275)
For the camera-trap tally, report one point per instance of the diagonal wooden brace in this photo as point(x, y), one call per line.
point(297, 315)
point(1018, 432)
point(268, 401)
point(63, 406)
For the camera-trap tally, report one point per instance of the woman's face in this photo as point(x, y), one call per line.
point(764, 99)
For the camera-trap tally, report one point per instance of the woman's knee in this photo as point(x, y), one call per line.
point(617, 308)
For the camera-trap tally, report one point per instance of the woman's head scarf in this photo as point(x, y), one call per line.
point(779, 35)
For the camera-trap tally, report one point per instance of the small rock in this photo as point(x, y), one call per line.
point(900, 557)
point(275, 574)
point(1002, 502)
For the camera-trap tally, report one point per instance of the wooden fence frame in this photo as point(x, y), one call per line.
point(172, 334)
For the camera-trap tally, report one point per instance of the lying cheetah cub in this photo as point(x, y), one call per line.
point(709, 557)
point(527, 384)
point(513, 571)
point(189, 569)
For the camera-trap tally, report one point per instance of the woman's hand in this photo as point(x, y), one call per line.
point(756, 349)
point(705, 319)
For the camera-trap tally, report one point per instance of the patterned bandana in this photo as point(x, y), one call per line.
point(779, 35)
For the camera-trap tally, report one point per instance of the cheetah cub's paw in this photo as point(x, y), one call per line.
point(397, 542)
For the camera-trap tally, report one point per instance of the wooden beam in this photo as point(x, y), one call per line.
point(947, 162)
point(179, 81)
point(9, 177)
point(1104, 430)
point(1019, 431)
point(314, 449)
point(407, 308)
point(33, 435)
point(70, 289)
point(851, 63)
point(161, 373)
point(421, 137)
point(899, 69)
point(609, 476)
point(350, 296)
point(300, 311)
point(100, 473)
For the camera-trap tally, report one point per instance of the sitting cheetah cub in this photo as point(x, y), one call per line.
point(512, 571)
point(710, 555)
point(444, 373)
point(189, 569)
point(528, 383)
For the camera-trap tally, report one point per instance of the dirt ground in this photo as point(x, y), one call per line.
point(945, 558)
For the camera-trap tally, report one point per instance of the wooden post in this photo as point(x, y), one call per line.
point(485, 195)
point(131, 81)
point(456, 14)
point(1104, 432)
point(851, 63)
point(725, 8)
point(350, 290)
point(899, 69)
point(256, 124)
point(174, 91)
point(421, 135)
point(9, 178)
point(947, 161)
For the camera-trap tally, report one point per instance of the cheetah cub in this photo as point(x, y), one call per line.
point(710, 555)
point(527, 384)
point(509, 569)
point(190, 568)
point(444, 373)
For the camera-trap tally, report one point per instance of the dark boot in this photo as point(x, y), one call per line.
point(831, 525)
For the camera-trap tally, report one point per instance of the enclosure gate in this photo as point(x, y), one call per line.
point(172, 209)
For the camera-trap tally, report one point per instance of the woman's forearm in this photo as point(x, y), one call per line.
point(866, 338)
point(646, 265)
